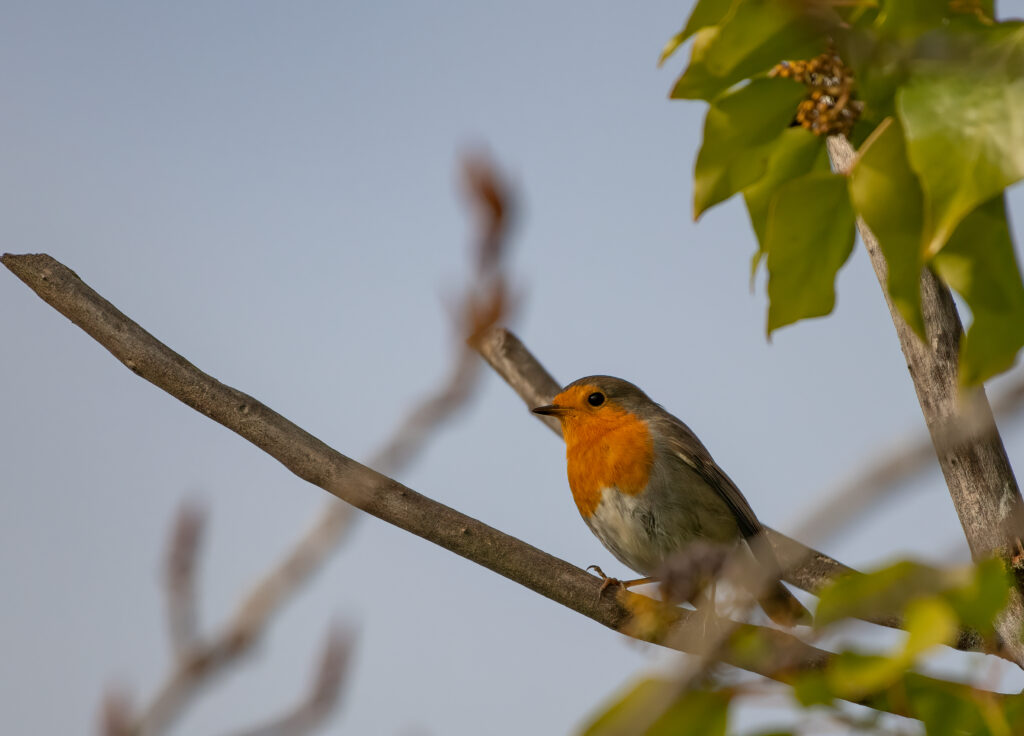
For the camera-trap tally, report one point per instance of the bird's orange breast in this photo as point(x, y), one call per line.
point(609, 448)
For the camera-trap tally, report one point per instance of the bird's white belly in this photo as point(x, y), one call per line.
point(626, 526)
point(642, 532)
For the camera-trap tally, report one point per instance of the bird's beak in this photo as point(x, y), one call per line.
point(553, 410)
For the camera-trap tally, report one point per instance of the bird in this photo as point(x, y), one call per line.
point(648, 488)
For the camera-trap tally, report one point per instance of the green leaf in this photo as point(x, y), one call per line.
point(695, 713)
point(795, 153)
point(750, 39)
point(884, 592)
point(853, 676)
point(979, 262)
point(879, 65)
point(738, 129)
point(705, 13)
point(811, 688)
point(886, 193)
point(930, 622)
point(697, 81)
point(911, 18)
point(946, 708)
point(810, 235)
point(962, 111)
point(978, 601)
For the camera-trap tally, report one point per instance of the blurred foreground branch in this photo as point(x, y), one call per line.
point(780, 655)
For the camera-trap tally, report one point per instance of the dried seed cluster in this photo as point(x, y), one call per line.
point(830, 107)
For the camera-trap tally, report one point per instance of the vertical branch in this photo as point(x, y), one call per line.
point(963, 431)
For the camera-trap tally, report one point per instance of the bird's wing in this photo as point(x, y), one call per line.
point(685, 445)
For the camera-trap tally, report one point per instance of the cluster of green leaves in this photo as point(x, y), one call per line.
point(935, 605)
point(940, 138)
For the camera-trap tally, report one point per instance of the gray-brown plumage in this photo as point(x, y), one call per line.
point(647, 487)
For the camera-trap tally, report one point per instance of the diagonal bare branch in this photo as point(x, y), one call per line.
point(781, 655)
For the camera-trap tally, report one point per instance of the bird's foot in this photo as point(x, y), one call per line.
point(607, 582)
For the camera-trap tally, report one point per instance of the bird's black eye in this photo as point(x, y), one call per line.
point(595, 399)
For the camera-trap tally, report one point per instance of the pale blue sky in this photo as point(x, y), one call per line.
point(270, 188)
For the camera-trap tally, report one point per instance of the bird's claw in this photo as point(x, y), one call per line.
point(606, 582)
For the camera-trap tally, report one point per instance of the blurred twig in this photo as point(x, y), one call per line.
point(322, 698)
point(485, 301)
point(116, 714)
point(851, 499)
point(181, 578)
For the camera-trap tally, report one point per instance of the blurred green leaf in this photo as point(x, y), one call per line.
point(982, 597)
point(738, 131)
point(884, 592)
point(945, 707)
point(879, 65)
point(961, 112)
point(795, 153)
point(853, 676)
point(810, 235)
point(696, 713)
point(886, 193)
point(979, 262)
point(811, 688)
point(751, 38)
point(705, 13)
point(929, 622)
point(911, 18)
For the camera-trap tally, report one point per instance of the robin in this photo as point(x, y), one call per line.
point(647, 487)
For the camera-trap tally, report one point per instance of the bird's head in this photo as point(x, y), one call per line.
point(597, 403)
